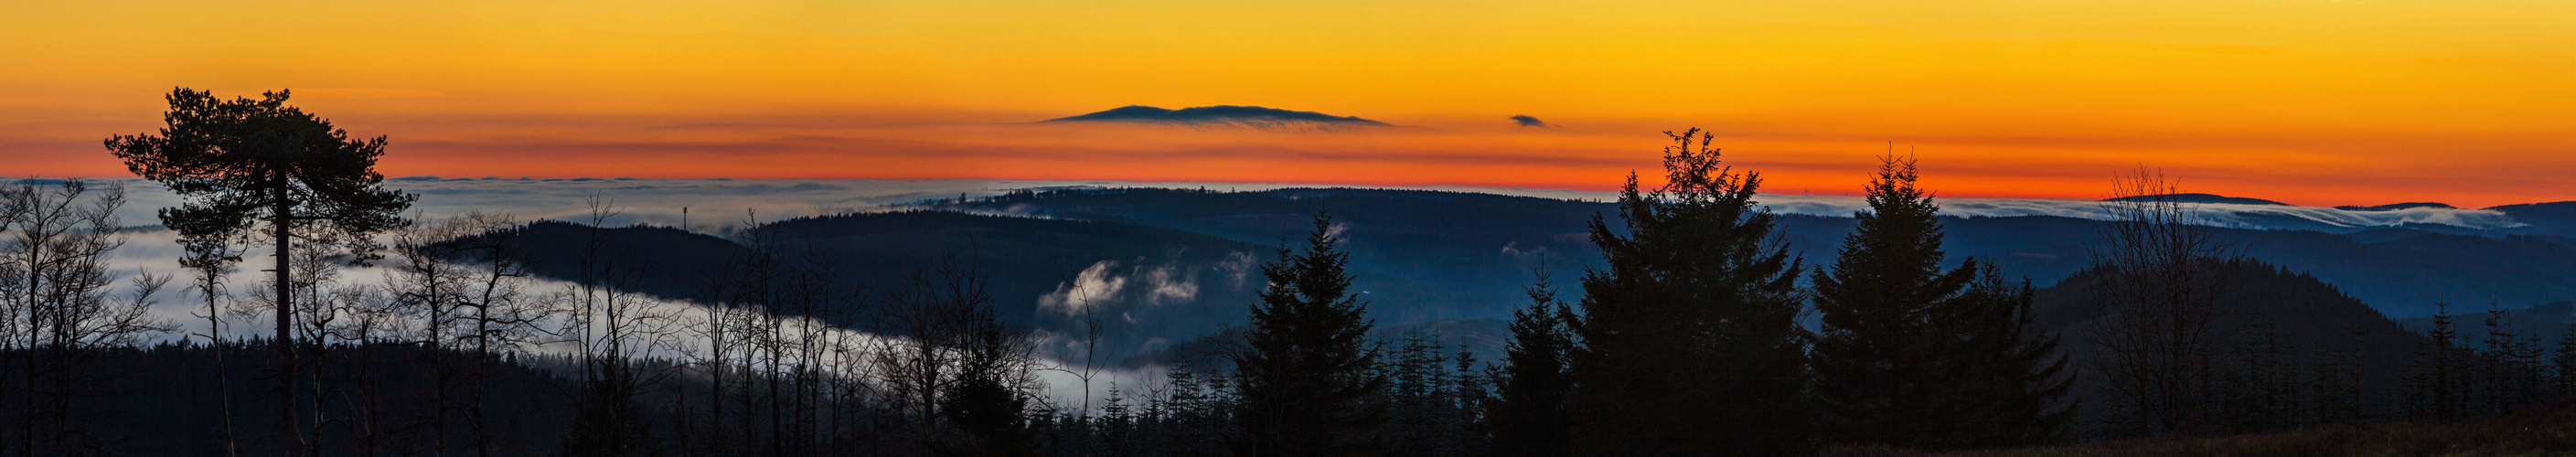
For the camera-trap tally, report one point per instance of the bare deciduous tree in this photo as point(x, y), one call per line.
point(58, 305)
point(2160, 304)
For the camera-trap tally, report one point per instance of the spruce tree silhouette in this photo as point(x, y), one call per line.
point(1309, 379)
point(1529, 417)
point(1913, 356)
point(2011, 371)
point(245, 161)
point(987, 402)
point(1690, 336)
point(1878, 362)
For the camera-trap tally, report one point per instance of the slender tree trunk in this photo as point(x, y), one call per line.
point(35, 320)
point(27, 420)
point(283, 221)
point(215, 340)
point(438, 362)
point(482, 371)
point(777, 406)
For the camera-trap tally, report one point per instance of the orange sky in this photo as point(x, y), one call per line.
point(2314, 102)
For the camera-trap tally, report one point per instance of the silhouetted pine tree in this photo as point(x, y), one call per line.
point(1470, 391)
point(2565, 361)
point(240, 162)
point(1307, 375)
point(1913, 356)
point(2260, 392)
point(1528, 416)
point(1883, 372)
point(1198, 411)
point(987, 405)
point(2438, 374)
point(606, 422)
point(2511, 366)
point(2337, 377)
point(2015, 379)
point(1690, 335)
point(1428, 418)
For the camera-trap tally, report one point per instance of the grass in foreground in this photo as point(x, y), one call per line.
point(2551, 431)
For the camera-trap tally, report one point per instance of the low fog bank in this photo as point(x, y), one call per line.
point(717, 204)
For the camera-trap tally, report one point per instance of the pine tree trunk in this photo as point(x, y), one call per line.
point(283, 222)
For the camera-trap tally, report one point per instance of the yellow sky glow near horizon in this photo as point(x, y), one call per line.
point(2306, 101)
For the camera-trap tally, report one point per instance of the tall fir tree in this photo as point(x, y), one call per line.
point(1881, 373)
point(2565, 361)
point(2011, 373)
point(2438, 377)
point(988, 404)
point(1528, 416)
point(1308, 378)
point(1916, 356)
point(1690, 341)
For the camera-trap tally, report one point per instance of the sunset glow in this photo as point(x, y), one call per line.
point(2308, 102)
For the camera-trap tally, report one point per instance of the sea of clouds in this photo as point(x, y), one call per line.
point(712, 205)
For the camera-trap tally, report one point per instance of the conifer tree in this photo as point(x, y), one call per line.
point(244, 161)
point(1529, 417)
point(1472, 391)
point(1915, 356)
point(606, 420)
point(2438, 377)
point(1308, 377)
point(2565, 361)
point(2015, 377)
point(1690, 336)
point(987, 403)
point(1881, 364)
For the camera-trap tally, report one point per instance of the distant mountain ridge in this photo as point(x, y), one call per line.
point(2554, 218)
point(2197, 198)
point(2396, 206)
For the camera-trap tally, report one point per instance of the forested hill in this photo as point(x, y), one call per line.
point(1173, 265)
point(1480, 246)
point(1145, 273)
point(2318, 355)
point(2557, 218)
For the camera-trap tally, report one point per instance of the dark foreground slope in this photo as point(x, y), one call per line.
point(2546, 431)
point(165, 401)
point(2273, 329)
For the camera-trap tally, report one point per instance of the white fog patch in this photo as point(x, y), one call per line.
point(1015, 210)
point(1513, 250)
point(1104, 284)
point(1171, 285)
point(1094, 287)
point(1237, 268)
